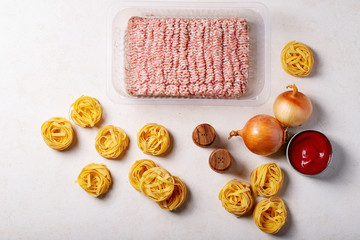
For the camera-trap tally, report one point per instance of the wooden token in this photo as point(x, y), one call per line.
point(204, 135)
point(220, 160)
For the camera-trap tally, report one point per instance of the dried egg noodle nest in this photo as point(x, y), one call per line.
point(86, 111)
point(297, 59)
point(137, 170)
point(236, 197)
point(111, 141)
point(266, 180)
point(270, 215)
point(177, 198)
point(157, 184)
point(95, 179)
point(57, 133)
point(153, 139)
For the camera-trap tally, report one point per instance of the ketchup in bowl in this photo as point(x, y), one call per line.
point(309, 152)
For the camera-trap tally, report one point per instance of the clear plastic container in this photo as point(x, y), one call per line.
point(256, 14)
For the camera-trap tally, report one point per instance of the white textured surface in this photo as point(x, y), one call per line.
point(54, 51)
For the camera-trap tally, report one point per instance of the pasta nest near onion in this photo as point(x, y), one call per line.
point(270, 215)
point(266, 180)
point(236, 197)
point(297, 59)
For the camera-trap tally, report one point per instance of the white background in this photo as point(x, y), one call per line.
point(52, 52)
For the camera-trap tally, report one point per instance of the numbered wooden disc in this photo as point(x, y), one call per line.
point(204, 135)
point(220, 160)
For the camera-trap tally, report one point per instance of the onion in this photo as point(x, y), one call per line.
point(262, 134)
point(292, 108)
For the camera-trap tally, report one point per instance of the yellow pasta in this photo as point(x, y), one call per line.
point(236, 197)
point(57, 133)
point(177, 198)
point(266, 180)
point(153, 139)
point(270, 215)
point(157, 184)
point(85, 111)
point(111, 141)
point(137, 170)
point(95, 179)
point(297, 59)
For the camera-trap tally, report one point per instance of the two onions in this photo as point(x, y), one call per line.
point(264, 134)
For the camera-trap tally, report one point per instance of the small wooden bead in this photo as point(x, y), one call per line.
point(220, 160)
point(204, 135)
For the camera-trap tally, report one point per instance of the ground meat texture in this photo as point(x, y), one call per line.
point(202, 57)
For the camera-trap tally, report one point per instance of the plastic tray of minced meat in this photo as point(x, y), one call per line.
point(189, 53)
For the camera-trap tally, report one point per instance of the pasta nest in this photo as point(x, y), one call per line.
point(270, 215)
point(236, 197)
point(157, 184)
point(85, 111)
point(177, 198)
point(266, 180)
point(95, 179)
point(297, 59)
point(137, 170)
point(111, 141)
point(153, 139)
point(57, 133)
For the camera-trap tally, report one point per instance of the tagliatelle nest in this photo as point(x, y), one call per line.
point(153, 139)
point(266, 180)
point(157, 184)
point(236, 197)
point(111, 141)
point(168, 191)
point(177, 198)
point(57, 133)
point(270, 215)
point(86, 111)
point(95, 179)
point(297, 59)
point(137, 170)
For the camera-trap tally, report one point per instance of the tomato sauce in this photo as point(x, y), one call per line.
point(309, 152)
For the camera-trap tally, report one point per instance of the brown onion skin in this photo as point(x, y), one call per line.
point(262, 134)
point(292, 108)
